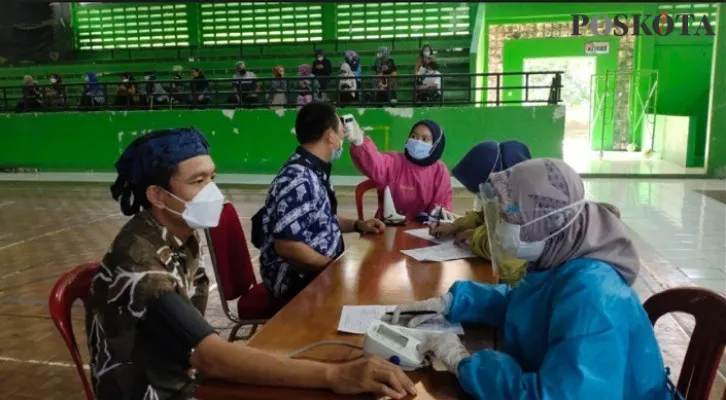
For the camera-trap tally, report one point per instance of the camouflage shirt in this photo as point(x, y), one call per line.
point(144, 261)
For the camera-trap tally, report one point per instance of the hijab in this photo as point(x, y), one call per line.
point(93, 82)
point(486, 158)
point(304, 70)
point(438, 141)
point(535, 188)
point(385, 55)
point(351, 57)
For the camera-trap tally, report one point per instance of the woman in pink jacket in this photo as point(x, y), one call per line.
point(418, 180)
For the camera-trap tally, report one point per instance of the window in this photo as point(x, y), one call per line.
point(118, 26)
point(401, 20)
point(699, 10)
point(242, 23)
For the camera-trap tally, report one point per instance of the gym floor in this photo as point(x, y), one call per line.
point(48, 228)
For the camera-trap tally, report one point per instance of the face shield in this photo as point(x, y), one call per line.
point(509, 269)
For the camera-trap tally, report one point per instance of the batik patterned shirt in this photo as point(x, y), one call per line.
point(144, 261)
point(298, 208)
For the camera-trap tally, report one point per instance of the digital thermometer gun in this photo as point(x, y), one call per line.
point(385, 341)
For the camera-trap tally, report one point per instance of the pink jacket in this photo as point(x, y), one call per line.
point(414, 188)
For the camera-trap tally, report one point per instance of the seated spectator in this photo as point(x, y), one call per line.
point(277, 95)
point(176, 89)
point(308, 88)
point(246, 86)
point(429, 88)
point(347, 85)
point(418, 179)
point(199, 87)
point(352, 59)
point(32, 96)
point(126, 94)
point(93, 95)
point(155, 93)
point(56, 96)
point(424, 56)
point(322, 69)
point(301, 231)
point(147, 336)
point(386, 74)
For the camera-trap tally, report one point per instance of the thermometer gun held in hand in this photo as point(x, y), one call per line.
point(387, 342)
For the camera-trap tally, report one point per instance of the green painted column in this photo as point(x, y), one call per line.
point(478, 51)
point(329, 21)
point(716, 132)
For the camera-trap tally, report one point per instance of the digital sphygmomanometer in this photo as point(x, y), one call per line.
point(389, 342)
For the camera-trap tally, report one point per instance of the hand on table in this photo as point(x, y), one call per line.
point(438, 306)
point(464, 238)
point(443, 213)
point(441, 230)
point(370, 374)
point(370, 226)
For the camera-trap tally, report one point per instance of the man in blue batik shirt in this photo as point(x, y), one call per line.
point(302, 232)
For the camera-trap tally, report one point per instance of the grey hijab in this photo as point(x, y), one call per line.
point(537, 187)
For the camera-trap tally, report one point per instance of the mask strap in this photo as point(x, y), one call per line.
point(176, 197)
point(567, 207)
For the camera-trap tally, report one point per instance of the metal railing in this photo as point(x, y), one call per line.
point(289, 92)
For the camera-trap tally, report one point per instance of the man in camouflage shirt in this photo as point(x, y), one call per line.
point(145, 325)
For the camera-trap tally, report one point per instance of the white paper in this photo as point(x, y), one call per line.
point(442, 252)
point(357, 319)
point(423, 233)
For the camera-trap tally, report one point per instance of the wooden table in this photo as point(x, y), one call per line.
point(371, 271)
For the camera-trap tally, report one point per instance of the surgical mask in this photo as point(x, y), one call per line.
point(86, 78)
point(204, 209)
point(426, 53)
point(337, 153)
point(379, 55)
point(320, 58)
point(53, 80)
point(418, 149)
point(242, 71)
point(124, 80)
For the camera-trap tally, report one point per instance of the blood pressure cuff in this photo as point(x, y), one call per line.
point(174, 327)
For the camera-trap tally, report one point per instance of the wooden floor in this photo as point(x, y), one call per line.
point(49, 228)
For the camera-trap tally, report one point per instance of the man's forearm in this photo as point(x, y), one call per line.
point(236, 362)
point(301, 255)
point(346, 225)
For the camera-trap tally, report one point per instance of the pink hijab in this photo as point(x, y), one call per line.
point(534, 188)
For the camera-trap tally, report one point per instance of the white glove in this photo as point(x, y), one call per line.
point(447, 348)
point(445, 214)
point(439, 306)
point(352, 131)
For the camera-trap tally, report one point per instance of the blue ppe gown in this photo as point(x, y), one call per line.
point(573, 332)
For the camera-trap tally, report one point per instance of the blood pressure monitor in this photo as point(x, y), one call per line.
point(389, 343)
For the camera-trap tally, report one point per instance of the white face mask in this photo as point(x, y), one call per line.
point(204, 209)
point(53, 80)
point(426, 53)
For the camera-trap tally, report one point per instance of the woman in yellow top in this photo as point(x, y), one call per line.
point(474, 169)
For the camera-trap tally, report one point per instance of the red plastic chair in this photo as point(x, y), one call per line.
point(73, 285)
point(360, 190)
point(706, 346)
point(235, 276)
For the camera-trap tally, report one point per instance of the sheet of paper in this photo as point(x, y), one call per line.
point(357, 319)
point(423, 233)
point(442, 252)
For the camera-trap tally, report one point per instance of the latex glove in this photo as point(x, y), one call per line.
point(352, 131)
point(445, 214)
point(447, 348)
point(438, 305)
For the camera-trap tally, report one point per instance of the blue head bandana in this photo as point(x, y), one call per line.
point(150, 155)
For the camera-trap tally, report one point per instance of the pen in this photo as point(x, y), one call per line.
point(441, 214)
point(414, 312)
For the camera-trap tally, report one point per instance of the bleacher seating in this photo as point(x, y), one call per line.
point(452, 54)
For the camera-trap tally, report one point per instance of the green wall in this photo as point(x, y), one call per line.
point(515, 51)
point(716, 128)
point(258, 141)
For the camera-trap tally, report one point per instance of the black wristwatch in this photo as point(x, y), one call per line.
point(355, 226)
